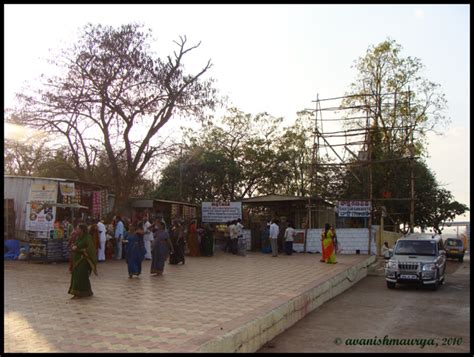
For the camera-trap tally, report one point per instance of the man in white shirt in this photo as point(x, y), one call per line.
point(102, 240)
point(241, 242)
point(233, 237)
point(147, 237)
point(274, 232)
point(119, 231)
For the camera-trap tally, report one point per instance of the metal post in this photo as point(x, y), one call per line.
point(369, 159)
point(369, 154)
point(412, 164)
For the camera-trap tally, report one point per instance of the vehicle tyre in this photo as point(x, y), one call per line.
point(391, 285)
point(434, 286)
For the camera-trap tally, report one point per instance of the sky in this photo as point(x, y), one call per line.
point(274, 58)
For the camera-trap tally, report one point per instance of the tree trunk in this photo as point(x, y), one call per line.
point(122, 199)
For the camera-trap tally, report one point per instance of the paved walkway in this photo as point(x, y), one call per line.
point(180, 311)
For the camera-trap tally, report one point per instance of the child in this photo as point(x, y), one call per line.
point(23, 255)
point(385, 250)
point(109, 249)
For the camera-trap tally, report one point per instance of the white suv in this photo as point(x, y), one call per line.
point(418, 258)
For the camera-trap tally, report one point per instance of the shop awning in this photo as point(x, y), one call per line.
point(66, 205)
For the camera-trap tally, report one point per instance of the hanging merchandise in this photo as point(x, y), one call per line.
point(103, 203)
point(78, 195)
point(96, 204)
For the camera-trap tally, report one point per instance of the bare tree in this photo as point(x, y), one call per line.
point(115, 96)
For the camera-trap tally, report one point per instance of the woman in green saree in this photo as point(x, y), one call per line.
point(84, 262)
point(328, 245)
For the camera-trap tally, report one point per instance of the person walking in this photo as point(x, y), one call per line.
point(148, 237)
point(102, 240)
point(84, 261)
point(274, 232)
point(177, 240)
point(241, 241)
point(160, 248)
point(328, 245)
point(135, 249)
point(290, 235)
point(119, 235)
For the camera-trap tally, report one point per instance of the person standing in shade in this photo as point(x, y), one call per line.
point(290, 235)
point(102, 240)
point(148, 237)
point(207, 242)
point(266, 246)
point(241, 241)
point(228, 243)
point(274, 232)
point(192, 240)
point(385, 250)
point(160, 247)
point(94, 232)
point(119, 235)
point(177, 240)
point(233, 237)
point(84, 261)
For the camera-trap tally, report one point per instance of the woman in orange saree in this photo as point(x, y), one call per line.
point(329, 252)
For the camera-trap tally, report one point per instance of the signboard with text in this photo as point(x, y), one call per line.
point(40, 215)
point(354, 208)
point(221, 212)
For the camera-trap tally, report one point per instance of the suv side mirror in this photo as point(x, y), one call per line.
point(390, 253)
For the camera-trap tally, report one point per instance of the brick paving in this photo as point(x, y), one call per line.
point(177, 312)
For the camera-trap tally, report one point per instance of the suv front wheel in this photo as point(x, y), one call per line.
point(391, 285)
point(434, 286)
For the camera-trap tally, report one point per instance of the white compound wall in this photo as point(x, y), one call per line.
point(350, 240)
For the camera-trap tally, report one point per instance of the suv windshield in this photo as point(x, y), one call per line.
point(413, 247)
point(454, 243)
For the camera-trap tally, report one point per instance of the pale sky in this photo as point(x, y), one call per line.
point(274, 58)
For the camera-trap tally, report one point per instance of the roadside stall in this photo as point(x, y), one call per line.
point(49, 230)
point(218, 214)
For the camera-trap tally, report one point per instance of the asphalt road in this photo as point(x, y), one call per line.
point(371, 318)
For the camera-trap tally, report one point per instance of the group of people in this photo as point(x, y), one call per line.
point(134, 242)
point(235, 241)
point(270, 234)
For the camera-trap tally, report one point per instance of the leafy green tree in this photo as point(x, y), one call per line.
point(230, 159)
point(382, 72)
point(442, 210)
point(397, 118)
point(115, 96)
